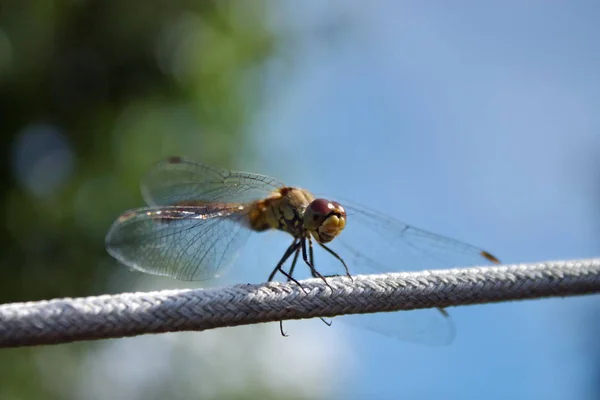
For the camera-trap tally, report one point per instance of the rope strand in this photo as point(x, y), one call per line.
point(130, 314)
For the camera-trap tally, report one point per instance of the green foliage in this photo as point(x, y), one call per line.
point(123, 84)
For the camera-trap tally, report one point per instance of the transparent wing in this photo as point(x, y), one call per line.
point(179, 180)
point(372, 242)
point(186, 243)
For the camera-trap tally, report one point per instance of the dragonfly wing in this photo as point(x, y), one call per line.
point(179, 180)
point(186, 243)
point(372, 242)
point(429, 327)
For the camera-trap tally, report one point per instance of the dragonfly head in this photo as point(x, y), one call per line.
point(324, 219)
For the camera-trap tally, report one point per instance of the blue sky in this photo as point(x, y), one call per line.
point(476, 120)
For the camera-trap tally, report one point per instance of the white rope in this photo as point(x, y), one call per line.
point(129, 314)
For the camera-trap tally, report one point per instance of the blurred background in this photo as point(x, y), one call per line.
point(476, 120)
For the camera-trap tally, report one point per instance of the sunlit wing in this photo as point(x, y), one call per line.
point(394, 246)
point(186, 243)
point(372, 242)
point(179, 180)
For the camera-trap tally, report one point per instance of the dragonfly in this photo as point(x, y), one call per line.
point(198, 218)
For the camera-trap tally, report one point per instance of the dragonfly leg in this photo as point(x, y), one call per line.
point(290, 275)
point(309, 262)
point(286, 255)
point(311, 256)
point(294, 247)
point(443, 311)
point(336, 255)
point(291, 272)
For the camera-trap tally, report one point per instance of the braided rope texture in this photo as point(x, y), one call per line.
point(129, 314)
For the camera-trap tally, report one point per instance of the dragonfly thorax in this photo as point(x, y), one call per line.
point(297, 212)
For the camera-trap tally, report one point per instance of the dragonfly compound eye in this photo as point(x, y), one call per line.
point(324, 219)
